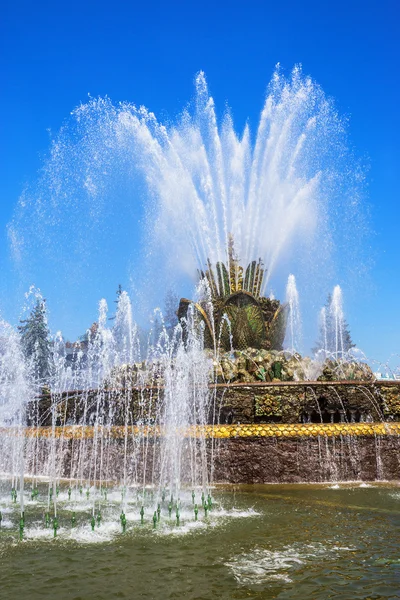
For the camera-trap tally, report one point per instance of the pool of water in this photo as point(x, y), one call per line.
point(267, 541)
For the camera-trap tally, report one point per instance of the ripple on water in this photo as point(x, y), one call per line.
point(261, 565)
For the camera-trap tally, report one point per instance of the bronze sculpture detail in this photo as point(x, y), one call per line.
point(255, 321)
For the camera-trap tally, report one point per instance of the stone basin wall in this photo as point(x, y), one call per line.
point(274, 402)
point(267, 432)
point(250, 453)
point(308, 459)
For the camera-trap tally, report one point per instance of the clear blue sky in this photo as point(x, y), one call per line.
point(53, 54)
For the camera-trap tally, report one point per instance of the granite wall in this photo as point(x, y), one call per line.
point(236, 460)
point(307, 459)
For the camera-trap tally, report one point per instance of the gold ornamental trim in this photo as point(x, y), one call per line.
point(243, 430)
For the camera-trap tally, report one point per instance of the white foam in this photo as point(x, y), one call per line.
point(106, 532)
point(39, 533)
point(263, 565)
point(6, 524)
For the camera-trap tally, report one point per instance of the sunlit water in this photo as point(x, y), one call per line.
point(288, 190)
point(257, 542)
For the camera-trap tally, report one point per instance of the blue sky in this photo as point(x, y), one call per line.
point(53, 54)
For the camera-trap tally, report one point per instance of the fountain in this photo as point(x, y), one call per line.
point(112, 433)
point(233, 312)
point(294, 321)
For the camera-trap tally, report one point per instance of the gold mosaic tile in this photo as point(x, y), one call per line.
point(216, 431)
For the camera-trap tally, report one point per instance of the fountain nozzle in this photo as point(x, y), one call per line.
point(55, 526)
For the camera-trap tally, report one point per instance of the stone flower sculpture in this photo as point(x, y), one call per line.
point(241, 318)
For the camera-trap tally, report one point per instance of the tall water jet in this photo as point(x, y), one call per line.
point(15, 392)
point(336, 311)
point(278, 194)
point(323, 327)
point(187, 404)
point(293, 331)
point(334, 338)
point(125, 331)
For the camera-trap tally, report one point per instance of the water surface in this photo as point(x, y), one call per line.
point(270, 541)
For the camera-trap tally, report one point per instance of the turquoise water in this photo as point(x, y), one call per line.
point(292, 541)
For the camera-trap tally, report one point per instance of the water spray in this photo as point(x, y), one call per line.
point(21, 528)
